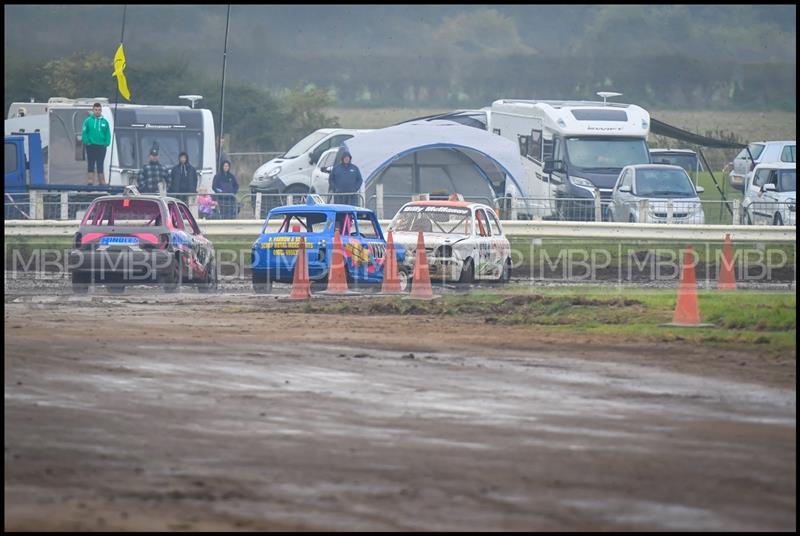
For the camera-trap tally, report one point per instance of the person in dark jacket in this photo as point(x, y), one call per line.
point(345, 178)
point(151, 174)
point(225, 183)
point(183, 177)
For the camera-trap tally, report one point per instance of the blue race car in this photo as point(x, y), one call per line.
point(274, 253)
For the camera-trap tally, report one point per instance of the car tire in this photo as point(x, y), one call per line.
point(210, 283)
point(405, 279)
point(505, 277)
point(467, 272)
point(81, 282)
point(778, 219)
point(631, 219)
point(174, 277)
point(295, 189)
point(261, 285)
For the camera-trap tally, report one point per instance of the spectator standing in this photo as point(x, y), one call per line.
point(345, 178)
point(151, 174)
point(183, 177)
point(96, 136)
point(225, 183)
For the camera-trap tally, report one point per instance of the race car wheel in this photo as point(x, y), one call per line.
point(81, 282)
point(404, 278)
point(777, 220)
point(467, 272)
point(261, 284)
point(174, 277)
point(211, 282)
point(506, 276)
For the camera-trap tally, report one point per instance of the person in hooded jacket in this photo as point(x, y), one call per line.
point(345, 178)
point(225, 183)
point(183, 177)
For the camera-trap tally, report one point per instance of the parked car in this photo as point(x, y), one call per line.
point(464, 241)
point(763, 152)
point(291, 173)
point(274, 253)
point(322, 171)
point(139, 239)
point(770, 197)
point(685, 158)
point(658, 185)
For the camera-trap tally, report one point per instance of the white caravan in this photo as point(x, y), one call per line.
point(571, 148)
point(138, 128)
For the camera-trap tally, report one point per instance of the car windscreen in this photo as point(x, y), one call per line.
point(299, 222)
point(755, 150)
point(788, 181)
point(663, 183)
point(606, 154)
point(433, 219)
point(125, 212)
point(304, 145)
point(689, 162)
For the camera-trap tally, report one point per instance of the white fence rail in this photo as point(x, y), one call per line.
point(512, 228)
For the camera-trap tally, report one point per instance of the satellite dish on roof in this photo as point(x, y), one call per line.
point(607, 94)
point(191, 98)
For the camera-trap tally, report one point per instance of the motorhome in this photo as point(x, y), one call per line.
point(572, 148)
point(137, 129)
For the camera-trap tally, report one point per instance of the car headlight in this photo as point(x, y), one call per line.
point(792, 204)
point(580, 181)
point(273, 172)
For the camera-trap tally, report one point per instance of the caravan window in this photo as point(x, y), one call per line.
point(535, 145)
point(524, 143)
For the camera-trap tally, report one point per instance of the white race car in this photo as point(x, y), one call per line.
point(463, 241)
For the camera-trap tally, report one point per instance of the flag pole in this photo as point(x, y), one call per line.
point(116, 101)
point(222, 93)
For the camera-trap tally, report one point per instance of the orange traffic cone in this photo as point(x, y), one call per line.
point(337, 279)
point(727, 279)
point(301, 285)
point(391, 276)
point(421, 282)
point(687, 312)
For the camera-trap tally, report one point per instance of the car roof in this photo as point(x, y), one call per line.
point(776, 165)
point(144, 197)
point(446, 203)
point(776, 141)
point(322, 207)
point(655, 166)
point(682, 151)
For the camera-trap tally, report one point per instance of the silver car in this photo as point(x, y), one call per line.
point(770, 197)
point(655, 193)
point(763, 152)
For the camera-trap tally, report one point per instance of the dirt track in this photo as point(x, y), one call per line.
point(240, 412)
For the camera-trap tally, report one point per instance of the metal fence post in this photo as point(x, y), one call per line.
point(643, 205)
point(37, 205)
point(258, 206)
point(737, 217)
point(379, 200)
point(64, 205)
point(193, 206)
point(670, 210)
point(513, 207)
point(598, 206)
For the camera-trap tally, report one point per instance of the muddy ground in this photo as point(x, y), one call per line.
point(151, 411)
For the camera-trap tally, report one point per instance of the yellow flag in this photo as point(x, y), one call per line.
point(119, 67)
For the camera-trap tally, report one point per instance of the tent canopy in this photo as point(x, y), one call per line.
point(430, 156)
point(662, 129)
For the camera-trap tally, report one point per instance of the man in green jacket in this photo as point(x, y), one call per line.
point(96, 136)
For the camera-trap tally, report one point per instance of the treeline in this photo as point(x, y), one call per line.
point(255, 118)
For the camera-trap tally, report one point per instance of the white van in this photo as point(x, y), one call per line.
point(291, 173)
point(572, 148)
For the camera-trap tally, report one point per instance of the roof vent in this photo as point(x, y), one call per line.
point(607, 94)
